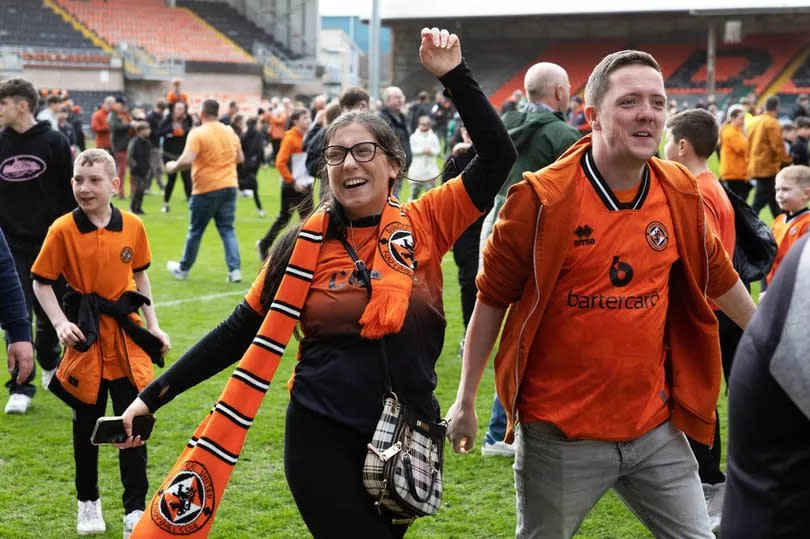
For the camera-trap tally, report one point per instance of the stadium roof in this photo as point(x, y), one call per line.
point(425, 9)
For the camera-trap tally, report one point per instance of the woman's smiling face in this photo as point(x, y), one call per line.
point(361, 188)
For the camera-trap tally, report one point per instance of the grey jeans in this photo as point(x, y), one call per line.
point(559, 480)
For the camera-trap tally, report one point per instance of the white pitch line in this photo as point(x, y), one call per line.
point(198, 298)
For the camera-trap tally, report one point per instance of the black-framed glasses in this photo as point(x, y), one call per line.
point(363, 152)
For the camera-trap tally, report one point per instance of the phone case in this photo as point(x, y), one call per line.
point(110, 430)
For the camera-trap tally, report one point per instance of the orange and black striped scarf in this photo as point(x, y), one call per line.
point(187, 500)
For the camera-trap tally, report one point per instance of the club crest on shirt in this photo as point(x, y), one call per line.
point(657, 236)
point(396, 247)
point(186, 501)
point(126, 255)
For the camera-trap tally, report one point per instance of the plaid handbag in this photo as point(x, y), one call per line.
point(403, 466)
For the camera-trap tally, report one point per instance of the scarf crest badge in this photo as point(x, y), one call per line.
point(187, 500)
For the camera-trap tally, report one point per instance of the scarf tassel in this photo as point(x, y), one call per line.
point(384, 314)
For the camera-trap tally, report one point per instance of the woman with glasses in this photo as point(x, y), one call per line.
point(337, 388)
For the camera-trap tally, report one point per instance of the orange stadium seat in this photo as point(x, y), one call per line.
point(578, 59)
point(164, 32)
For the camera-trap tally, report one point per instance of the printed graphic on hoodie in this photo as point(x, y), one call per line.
point(21, 168)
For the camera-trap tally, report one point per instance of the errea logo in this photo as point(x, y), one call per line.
point(583, 234)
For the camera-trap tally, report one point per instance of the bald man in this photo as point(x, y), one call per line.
point(541, 135)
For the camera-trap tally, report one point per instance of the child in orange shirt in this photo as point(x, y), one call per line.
point(792, 195)
point(103, 254)
point(691, 140)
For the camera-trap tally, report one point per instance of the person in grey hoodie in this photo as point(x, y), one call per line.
point(768, 475)
point(541, 135)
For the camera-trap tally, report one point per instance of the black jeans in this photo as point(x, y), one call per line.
point(171, 178)
point(46, 343)
point(291, 201)
point(741, 188)
point(708, 458)
point(131, 462)
point(466, 254)
point(765, 195)
point(323, 462)
point(138, 187)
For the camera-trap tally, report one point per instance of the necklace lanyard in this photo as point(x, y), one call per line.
point(365, 277)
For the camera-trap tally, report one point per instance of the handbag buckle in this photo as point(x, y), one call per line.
point(391, 451)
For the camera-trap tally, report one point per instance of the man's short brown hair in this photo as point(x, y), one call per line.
point(352, 97)
point(20, 89)
point(797, 173)
point(96, 155)
point(210, 108)
point(698, 127)
point(598, 82)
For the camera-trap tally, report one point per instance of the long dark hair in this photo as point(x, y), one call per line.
point(282, 251)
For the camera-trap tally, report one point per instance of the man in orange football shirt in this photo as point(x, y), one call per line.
point(610, 351)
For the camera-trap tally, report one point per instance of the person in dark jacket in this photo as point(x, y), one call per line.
point(417, 109)
point(393, 100)
point(174, 130)
point(75, 120)
point(14, 317)
point(800, 149)
point(155, 118)
point(768, 475)
point(801, 107)
point(35, 173)
point(253, 147)
point(139, 160)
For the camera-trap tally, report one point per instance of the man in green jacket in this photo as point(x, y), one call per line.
point(541, 135)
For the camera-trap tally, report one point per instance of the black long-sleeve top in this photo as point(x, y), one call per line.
point(483, 177)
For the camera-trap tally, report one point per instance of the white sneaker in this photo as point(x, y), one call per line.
point(497, 449)
point(130, 521)
point(46, 378)
point(714, 495)
point(164, 208)
point(90, 521)
point(174, 269)
point(18, 404)
point(234, 276)
point(262, 213)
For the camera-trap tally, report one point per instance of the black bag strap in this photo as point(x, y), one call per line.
point(365, 277)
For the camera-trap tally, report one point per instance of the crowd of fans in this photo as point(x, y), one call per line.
point(219, 151)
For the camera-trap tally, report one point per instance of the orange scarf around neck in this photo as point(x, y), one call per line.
point(187, 500)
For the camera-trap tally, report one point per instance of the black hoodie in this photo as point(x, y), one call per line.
point(35, 173)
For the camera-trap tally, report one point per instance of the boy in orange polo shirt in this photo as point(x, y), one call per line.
point(792, 195)
point(610, 352)
point(103, 254)
point(691, 140)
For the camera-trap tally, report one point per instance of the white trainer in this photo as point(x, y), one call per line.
point(174, 269)
point(714, 495)
point(130, 521)
point(46, 378)
point(90, 521)
point(18, 404)
point(234, 276)
point(497, 449)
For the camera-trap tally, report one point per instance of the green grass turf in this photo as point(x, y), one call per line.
point(36, 464)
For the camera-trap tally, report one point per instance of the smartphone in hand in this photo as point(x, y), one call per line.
point(110, 430)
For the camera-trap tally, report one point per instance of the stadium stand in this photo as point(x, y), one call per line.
point(34, 26)
point(162, 31)
point(578, 59)
point(239, 29)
